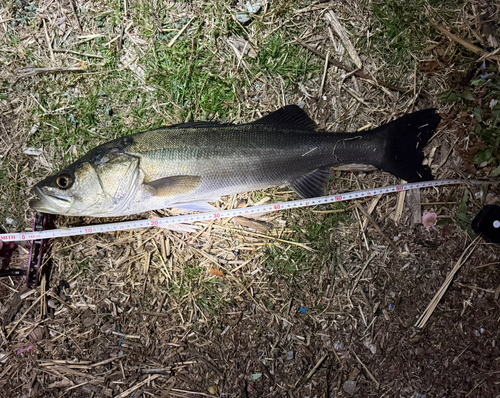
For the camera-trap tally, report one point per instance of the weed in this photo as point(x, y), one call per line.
point(401, 28)
point(88, 264)
point(192, 282)
point(480, 99)
point(279, 58)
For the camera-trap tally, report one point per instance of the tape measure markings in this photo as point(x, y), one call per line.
point(157, 222)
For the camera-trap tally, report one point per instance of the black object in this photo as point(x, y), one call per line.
point(12, 272)
point(487, 223)
point(36, 266)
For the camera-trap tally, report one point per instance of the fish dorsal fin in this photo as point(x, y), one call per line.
point(289, 115)
point(173, 185)
point(194, 125)
point(313, 184)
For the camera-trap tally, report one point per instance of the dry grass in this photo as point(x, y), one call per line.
point(304, 303)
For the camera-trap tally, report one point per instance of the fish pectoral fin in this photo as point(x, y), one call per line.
point(289, 115)
point(173, 185)
point(313, 184)
point(195, 206)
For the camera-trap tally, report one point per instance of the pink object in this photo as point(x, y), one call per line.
point(23, 350)
point(429, 220)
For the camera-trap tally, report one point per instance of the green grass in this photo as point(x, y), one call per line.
point(194, 79)
point(293, 63)
point(13, 196)
point(188, 81)
point(401, 28)
point(193, 283)
point(312, 229)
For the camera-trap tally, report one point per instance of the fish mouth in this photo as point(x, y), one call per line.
point(47, 202)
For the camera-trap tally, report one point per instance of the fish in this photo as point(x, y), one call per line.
point(188, 165)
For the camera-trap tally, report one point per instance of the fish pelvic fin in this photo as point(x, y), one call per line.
point(173, 185)
point(313, 184)
point(290, 115)
point(404, 140)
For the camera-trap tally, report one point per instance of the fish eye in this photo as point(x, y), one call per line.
point(63, 181)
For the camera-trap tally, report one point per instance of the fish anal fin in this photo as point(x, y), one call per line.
point(289, 115)
point(313, 184)
point(195, 206)
point(173, 185)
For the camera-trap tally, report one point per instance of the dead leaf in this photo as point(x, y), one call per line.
point(251, 224)
point(216, 271)
point(430, 67)
point(242, 47)
point(38, 334)
point(61, 384)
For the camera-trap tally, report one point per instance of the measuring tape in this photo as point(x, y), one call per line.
point(157, 222)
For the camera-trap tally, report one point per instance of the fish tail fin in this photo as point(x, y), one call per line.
point(404, 140)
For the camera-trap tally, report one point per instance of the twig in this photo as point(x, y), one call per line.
point(361, 228)
point(486, 265)
point(106, 361)
point(324, 74)
point(153, 313)
point(414, 88)
point(76, 15)
point(341, 31)
point(379, 230)
point(28, 310)
point(400, 203)
point(362, 270)
point(357, 72)
point(192, 392)
point(163, 371)
point(304, 380)
point(49, 43)
point(55, 296)
point(442, 290)
point(128, 336)
point(180, 33)
point(61, 50)
point(367, 370)
point(35, 71)
point(267, 237)
point(137, 386)
point(475, 49)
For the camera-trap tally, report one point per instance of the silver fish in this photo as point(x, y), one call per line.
point(190, 164)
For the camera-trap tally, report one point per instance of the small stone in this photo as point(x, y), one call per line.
point(350, 387)
point(213, 389)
